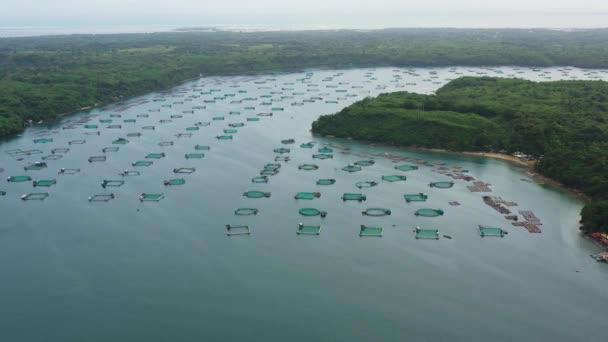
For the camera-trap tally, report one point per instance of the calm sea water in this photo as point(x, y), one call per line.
point(130, 271)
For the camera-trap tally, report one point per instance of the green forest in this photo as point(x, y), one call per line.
point(41, 77)
point(564, 124)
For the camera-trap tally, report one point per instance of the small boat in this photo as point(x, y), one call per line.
point(447, 236)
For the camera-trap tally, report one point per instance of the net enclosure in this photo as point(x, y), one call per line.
point(420, 233)
point(326, 181)
point(307, 145)
point(202, 147)
point(365, 163)
point(35, 166)
point(19, 179)
point(394, 178)
point(376, 212)
point(308, 229)
point(186, 170)
point(261, 179)
point(282, 150)
point(442, 185)
point(94, 159)
point(325, 150)
point(366, 184)
point(120, 141)
point(351, 168)
point(312, 212)
point(35, 196)
point(429, 212)
point(175, 181)
point(101, 198)
point(307, 195)
point(112, 183)
point(130, 173)
point(45, 182)
point(246, 211)
point(155, 155)
point(142, 163)
point(371, 231)
point(322, 156)
point(308, 167)
point(491, 231)
point(151, 197)
point(194, 155)
point(419, 197)
point(64, 171)
point(43, 140)
point(353, 197)
point(406, 167)
point(237, 230)
point(224, 137)
point(256, 194)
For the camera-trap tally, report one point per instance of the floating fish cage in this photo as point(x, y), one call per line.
point(253, 119)
point(90, 126)
point(110, 149)
point(35, 166)
point(406, 167)
point(202, 124)
point(52, 157)
point(176, 116)
point(151, 197)
point(352, 168)
point(269, 172)
point(441, 185)
point(308, 229)
point(353, 197)
point(142, 163)
point(368, 184)
point(149, 128)
point(155, 155)
point(104, 121)
point(45, 182)
point(175, 181)
point(92, 133)
point(2, 193)
point(230, 131)
point(307, 195)
point(282, 150)
point(60, 150)
point(376, 212)
point(64, 171)
point(429, 212)
point(312, 212)
point(394, 178)
point(288, 141)
point(235, 113)
point(112, 183)
point(101, 198)
point(326, 150)
point(282, 158)
point(194, 155)
point(307, 145)
point(186, 170)
point(371, 231)
point(224, 137)
point(261, 179)
point(77, 142)
point(272, 166)
point(120, 141)
point(491, 231)
point(43, 140)
point(130, 173)
point(236, 124)
point(35, 196)
point(19, 179)
point(237, 230)
point(217, 118)
point(143, 115)
point(115, 115)
point(328, 181)
point(192, 128)
point(129, 120)
point(256, 194)
point(419, 197)
point(184, 135)
point(202, 148)
point(308, 167)
point(322, 156)
point(365, 163)
point(114, 126)
point(246, 211)
point(166, 143)
point(420, 233)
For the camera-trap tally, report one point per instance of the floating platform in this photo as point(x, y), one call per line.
point(441, 185)
point(175, 181)
point(261, 179)
point(325, 150)
point(246, 211)
point(429, 212)
point(130, 173)
point(328, 181)
point(352, 168)
point(151, 197)
point(353, 197)
point(45, 182)
point(282, 150)
point(312, 212)
point(307, 195)
point(420, 233)
point(142, 163)
point(308, 167)
point(194, 155)
point(307, 145)
point(155, 155)
point(94, 159)
point(419, 197)
point(237, 230)
point(19, 179)
point(35, 166)
point(376, 212)
point(371, 231)
point(112, 183)
point(101, 198)
point(202, 147)
point(308, 229)
point(322, 156)
point(256, 194)
point(367, 184)
point(64, 171)
point(110, 149)
point(35, 196)
point(491, 231)
point(394, 178)
point(365, 163)
point(224, 137)
point(186, 170)
point(43, 140)
point(120, 141)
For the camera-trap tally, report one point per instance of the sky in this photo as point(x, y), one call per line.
point(271, 7)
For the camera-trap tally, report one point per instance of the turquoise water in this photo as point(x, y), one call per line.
point(126, 270)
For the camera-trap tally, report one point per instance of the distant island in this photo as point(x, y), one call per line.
point(562, 125)
point(43, 77)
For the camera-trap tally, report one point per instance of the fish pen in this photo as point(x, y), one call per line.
point(308, 167)
point(366, 184)
point(282, 158)
point(186, 170)
point(90, 126)
point(194, 155)
point(365, 163)
point(272, 166)
point(394, 178)
point(429, 212)
point(45, 182)
point(352, 168)
point(376, 212)
point(35, 167)
point(353, 197)
point(175, 181)
point(202, 147)
point(253, 119)
point(371, 231)
point(166, 143)
point(43, 140)
point(322, 156)
point(101, 198)
point(60, 150)
point(246, 211)
point(151, 197)
point(237, 230)
point(149, 128)
point(155, 155)
point(19, 179)
point(406, 167)
point(442, 185)
point(112, 183)
point(230, 131)
point(266, 172)
point(130, 173)
point(256, 194)
point(94, 159)
point(142, 163)
point(52, 157)
point(35, 196)
point(329, 181)
point(236, 124)
point(110, 149)
point(224, 137)
point(2, 193)
point(184, 135)
point(307, 145)
point(77, 142)
point(308, 229)
point(312, 212)
point(120, 141)
point(192, 128)
point(325, 150)
point(282, 150)
point(491, 231)
point(420, 233)
point(288, 141)
point(419, 197)
point(307, 195)
point(64, 171)
point(261, 179)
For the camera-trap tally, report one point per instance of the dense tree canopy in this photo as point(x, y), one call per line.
point(564, 124)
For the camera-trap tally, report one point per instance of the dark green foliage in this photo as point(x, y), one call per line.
point(564, 124)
